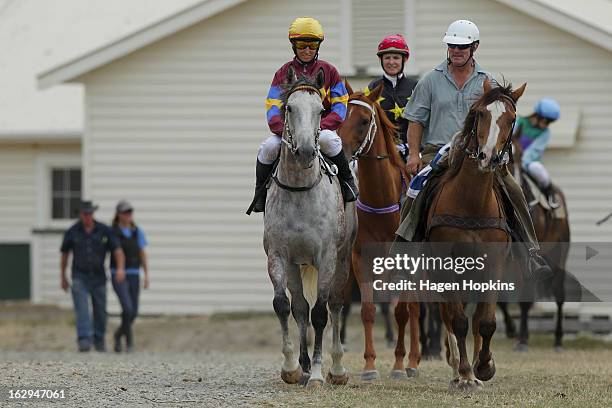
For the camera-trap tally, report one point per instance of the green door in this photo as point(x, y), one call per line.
point(14, 271)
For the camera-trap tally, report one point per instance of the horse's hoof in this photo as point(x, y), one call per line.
point(303, 381)
point(466, 385)
point(484, 372)
point(314, 383)
point(337, 379)
point(292, 377)
point(370, 375)
point(398, 375)
point(412, 372)
point(522, 347)
point(559, 349)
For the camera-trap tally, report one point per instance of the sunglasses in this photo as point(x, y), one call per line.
point(459, 46)
point(313, 45)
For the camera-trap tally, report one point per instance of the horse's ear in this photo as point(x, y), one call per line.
point(376, 92)
point(486, 85)
point(516, 94)
point(320, 79)
point(348, 87)
point(291, 76)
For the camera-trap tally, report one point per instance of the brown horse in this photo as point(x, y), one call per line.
point(370, 137)
point(467, 192)
point(552, 230)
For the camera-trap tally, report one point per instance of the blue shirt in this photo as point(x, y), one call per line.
point(142, 243)
point(89, 249)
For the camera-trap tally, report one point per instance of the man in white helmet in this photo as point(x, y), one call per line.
point(437, 110)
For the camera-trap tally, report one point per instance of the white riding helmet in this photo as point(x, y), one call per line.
point(461, 32)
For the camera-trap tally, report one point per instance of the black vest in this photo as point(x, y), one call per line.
point(130, 248)
point(395, 100)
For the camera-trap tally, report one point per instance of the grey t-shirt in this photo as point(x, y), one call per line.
point(439, 106)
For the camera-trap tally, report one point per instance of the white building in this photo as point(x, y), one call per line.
point(173, 114)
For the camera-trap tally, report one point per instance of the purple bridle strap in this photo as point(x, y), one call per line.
point(386, 210)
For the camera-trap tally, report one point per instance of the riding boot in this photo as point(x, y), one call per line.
point(538, 269)
point(262, 172)
point(549, 192)
point(347, 182)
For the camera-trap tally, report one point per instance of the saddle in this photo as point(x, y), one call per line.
point(535, 196)
point(414, 227)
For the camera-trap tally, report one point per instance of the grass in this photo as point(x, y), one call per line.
point(540, 378)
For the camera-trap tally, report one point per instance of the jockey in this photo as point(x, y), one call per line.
point(394, 53)
point(306, 35)
point(436, 111)
point(534, 137)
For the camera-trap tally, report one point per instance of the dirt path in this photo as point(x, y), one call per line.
point(233, 360)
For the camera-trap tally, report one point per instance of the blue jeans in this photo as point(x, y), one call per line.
point(128, 292)
point(84, 286)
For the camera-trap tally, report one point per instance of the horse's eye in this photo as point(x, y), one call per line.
point(322, 111)
point(364, 122)
point(288, 108)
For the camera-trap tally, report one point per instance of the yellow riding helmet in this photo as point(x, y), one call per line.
point(306, 28)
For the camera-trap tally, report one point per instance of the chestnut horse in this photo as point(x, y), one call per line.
point(370, 137)
point(554, 235)
point(467, 193)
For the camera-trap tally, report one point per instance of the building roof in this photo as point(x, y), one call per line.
point(37, 34)
point(50, 34)
point(589, 20)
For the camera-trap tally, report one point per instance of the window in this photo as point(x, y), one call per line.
point(65, 193)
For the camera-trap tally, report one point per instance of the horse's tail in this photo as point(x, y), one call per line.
point(310, 280)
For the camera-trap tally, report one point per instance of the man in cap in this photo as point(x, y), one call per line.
point(436, 111)
point(89, 241)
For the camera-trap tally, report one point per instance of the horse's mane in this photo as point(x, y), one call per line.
point(462, 139)
point(308, 84)
point(388, 129)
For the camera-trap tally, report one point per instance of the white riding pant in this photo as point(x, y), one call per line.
point(330, 142)
point(539, 173)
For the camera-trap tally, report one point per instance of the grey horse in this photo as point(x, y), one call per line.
point(308, 236)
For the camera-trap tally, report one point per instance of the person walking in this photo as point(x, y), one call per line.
point(133, 242)
point(89, 241)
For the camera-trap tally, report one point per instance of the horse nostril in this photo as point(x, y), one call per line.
point(482, 156)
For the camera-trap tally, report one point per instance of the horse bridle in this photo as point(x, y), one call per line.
point(288, 140)
point(287, 137)
point(498, 159)
point(367, 142)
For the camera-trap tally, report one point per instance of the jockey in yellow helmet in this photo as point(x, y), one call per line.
point(306, 35)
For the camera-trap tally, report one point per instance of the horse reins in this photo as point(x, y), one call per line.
point(366, 145)
point(290, 142)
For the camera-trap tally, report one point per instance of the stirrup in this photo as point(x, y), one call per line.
point(538, 268)
point(349, 194)
point(552, 203)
